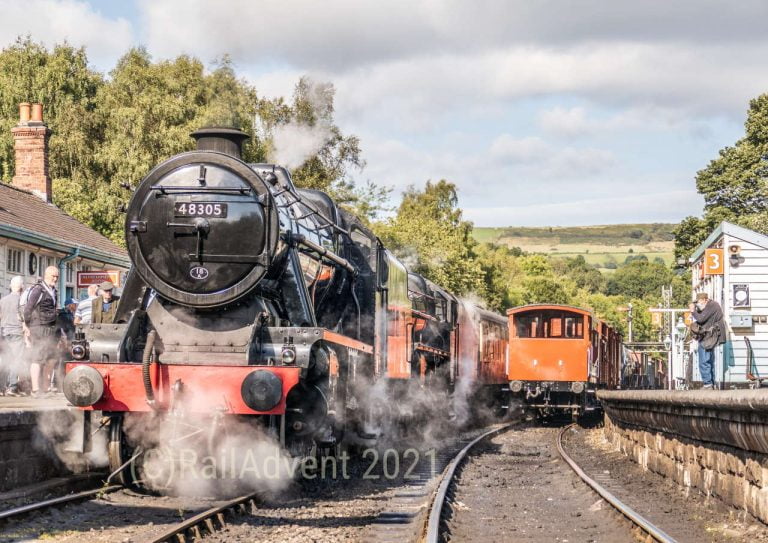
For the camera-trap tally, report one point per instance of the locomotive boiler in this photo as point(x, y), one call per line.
point(253, 299)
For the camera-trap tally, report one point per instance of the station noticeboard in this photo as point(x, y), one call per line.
point(85, 279)
point(713, 262)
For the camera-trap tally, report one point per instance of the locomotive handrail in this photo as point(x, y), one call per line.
point(297, 199)
point(300, 239)
point(212, 190)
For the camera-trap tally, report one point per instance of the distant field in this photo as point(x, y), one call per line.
point(599, 245)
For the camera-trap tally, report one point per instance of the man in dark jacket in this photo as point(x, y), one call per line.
point(708, 315)
point(39, 317)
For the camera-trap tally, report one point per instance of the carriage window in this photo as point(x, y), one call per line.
point(550, 324)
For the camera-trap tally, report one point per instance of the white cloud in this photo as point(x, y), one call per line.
point(575, 122)
point(445, 89)
point(668, 206)
point(337, 33)
point(506, 148)
point(56, 21)
point(569, 122)
point(543, 160)
point(424, 54)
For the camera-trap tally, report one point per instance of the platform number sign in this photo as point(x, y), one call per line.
point(713, 262)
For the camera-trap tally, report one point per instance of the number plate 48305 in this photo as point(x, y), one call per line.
point(216, 210)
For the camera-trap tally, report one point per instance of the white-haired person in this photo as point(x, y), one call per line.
point(13, 336)
point(40, 316)
point(83, 311)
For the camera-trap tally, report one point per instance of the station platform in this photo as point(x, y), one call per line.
point(712, 440)
point(28, 403)
point(31, 431)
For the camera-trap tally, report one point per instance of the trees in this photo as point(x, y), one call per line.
point(62, 81)
point(733, 184)
point(430, 236)
point(107, 133)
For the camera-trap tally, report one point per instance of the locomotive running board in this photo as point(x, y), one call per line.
point(344, 341)
point(433, 350)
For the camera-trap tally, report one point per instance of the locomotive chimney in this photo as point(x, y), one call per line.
point(224, 140)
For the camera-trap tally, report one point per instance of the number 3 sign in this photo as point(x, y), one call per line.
point(713, 262)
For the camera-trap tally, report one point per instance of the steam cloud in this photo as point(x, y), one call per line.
point(62, 431)
point(198, 456)
point(294, 143)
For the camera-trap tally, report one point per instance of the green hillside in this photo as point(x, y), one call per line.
point(603, 245)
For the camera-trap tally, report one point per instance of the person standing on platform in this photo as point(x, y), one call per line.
point(83, 311)
point(13, 336)
point(39, 316)
point(104, 307)
point(709, 332)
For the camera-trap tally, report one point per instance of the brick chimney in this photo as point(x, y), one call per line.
point(30, 144)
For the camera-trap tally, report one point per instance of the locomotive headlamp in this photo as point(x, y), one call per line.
point(577, 387)
point(78, 352)
point(261, 390)
point(83, 386)
point(516, 386)
point(79, 349)
point(289, 355)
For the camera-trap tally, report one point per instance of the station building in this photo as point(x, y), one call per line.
point(731, 266)
point(35, 234)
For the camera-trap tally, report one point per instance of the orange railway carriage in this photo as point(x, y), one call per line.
point(559, 356)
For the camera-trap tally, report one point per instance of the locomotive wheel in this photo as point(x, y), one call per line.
point(119, 452)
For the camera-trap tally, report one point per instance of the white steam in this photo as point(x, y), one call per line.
point(294, 143)
point(63, 431)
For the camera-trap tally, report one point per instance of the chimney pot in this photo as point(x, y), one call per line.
point(24, 108)
point(37, 112)
point(31, 151)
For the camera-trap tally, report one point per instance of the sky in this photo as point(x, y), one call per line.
point(542, 112)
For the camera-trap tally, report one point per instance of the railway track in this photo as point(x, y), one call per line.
point(434, 518)
point(15, 513)
point(405, 513)
point(436, 522)
point(208, 521)
point(638, 520)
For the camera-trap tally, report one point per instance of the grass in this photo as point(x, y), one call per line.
point(598, 245)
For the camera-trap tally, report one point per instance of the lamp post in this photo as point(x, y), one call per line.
point(680, 329)
point(676, 332)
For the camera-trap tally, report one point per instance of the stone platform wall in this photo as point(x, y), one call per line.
point(715, 442)
point(25, 456)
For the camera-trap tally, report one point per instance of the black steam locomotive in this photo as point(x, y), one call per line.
point(251, 298)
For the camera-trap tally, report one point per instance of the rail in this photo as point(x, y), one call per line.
point(206, 521)
point(22, 510)
point(631, 514)
point(438, 502)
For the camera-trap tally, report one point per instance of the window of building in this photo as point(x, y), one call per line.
point(70, 272)
point(15, 259)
